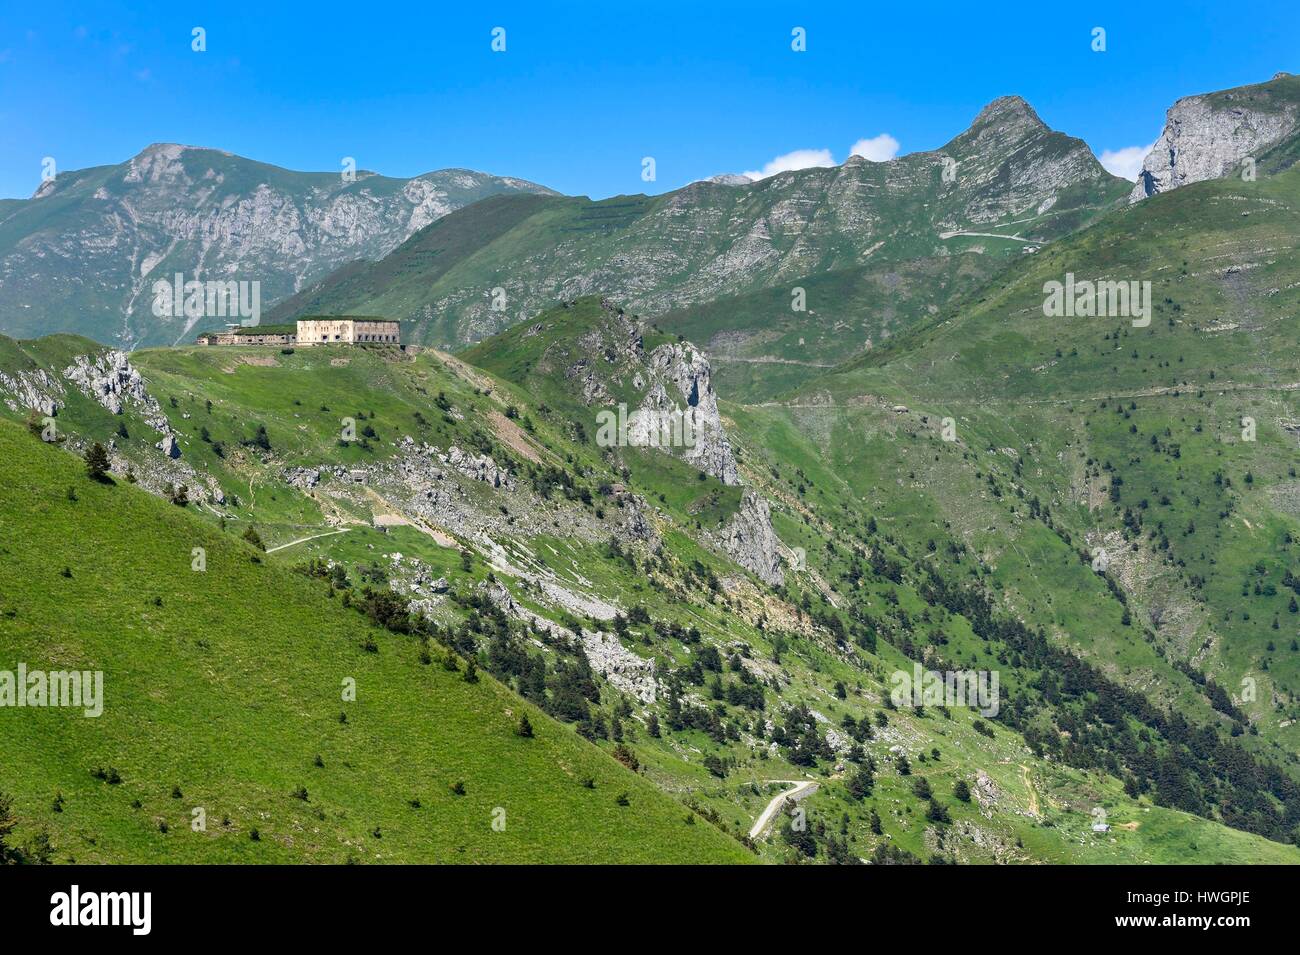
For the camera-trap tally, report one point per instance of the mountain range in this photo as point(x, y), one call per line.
point(720, 639)
point(777, 278)
point(82, 254)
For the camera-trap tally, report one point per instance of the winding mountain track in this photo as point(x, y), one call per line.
point(300, 540)
point(991, 235)
point(800, 789)
point(770, 360)
point(1033, 794)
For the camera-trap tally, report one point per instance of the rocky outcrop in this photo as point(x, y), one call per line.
point(169, 446)
point(623, 669)
point(35, 390)
point(987, 792)
point(750, 540)
point(680, 373)
point(497, 594)
point(109, 378)
point(1209, 136)
point(674, 407)
point(479, 467)
point(302, 478)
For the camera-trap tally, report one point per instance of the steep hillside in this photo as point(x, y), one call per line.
point(607, 585)
point(1224, 299)
point(83, 253)
point(227, 688)
point(1164, 454)
point(589, 358)
point(1005, 184)
point(761, 348)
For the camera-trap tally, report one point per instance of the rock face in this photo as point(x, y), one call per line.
point(35, 390)
point(682, 390)
point(673, 406)
point(106, 376)
point(1209, 136)
point(109, 378)
point(749, 538)
point(208, 215)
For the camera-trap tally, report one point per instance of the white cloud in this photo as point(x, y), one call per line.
point(880, 148)
point(1126, 162)
point(799, 159)
point(876, 149)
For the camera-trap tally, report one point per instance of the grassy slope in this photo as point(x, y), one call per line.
point(1161, 407)
point(760, 347)
point(287, 396)
point(769, 442)
point(852, 465)
point(396, 285)
point(227, 684)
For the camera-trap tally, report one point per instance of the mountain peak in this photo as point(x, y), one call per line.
point(731, 179)
point(1007, 108)
point(174, 149)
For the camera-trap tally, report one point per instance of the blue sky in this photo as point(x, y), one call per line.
point(583, 93)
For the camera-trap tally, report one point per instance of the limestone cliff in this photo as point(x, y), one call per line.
point(749, 538)
point(1210, 136)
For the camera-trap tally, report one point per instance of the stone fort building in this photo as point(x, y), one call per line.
point(315, 330)
point(342, 330)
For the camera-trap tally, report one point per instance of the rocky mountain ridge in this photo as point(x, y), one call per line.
point(83, 254)
point(487, 267)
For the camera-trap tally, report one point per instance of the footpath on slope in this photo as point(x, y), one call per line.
point(800, 790)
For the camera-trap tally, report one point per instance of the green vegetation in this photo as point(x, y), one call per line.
point(233, 686)
point(1103, 516)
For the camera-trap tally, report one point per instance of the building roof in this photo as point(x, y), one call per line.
point(252, 330)
point(267, 330)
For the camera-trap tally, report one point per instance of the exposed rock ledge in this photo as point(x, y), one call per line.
point(1206, 137)
point(749, 538)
